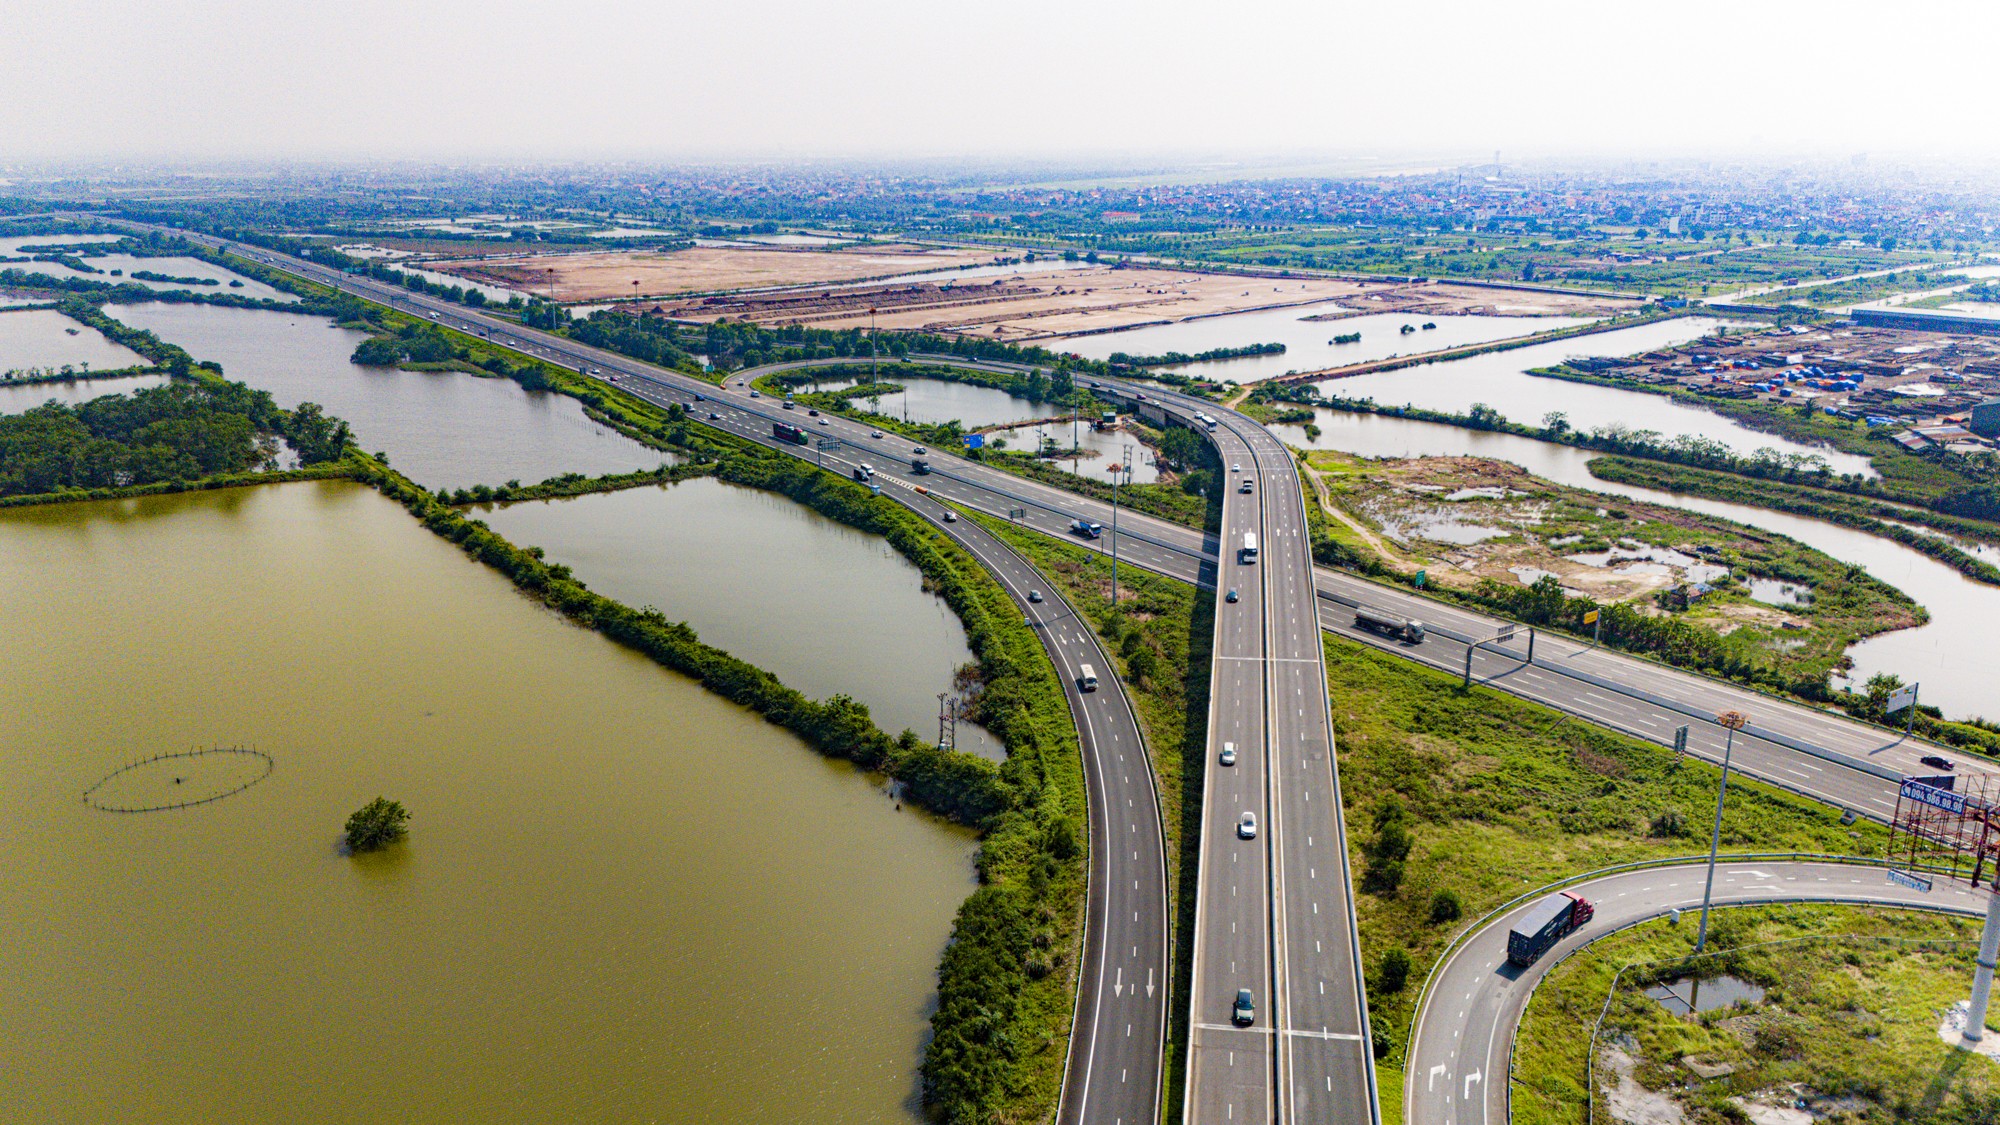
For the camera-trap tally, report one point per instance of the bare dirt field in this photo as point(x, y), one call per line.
point(1099, 298)
point(704, 269)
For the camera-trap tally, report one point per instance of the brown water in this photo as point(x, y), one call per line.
point(623, 900)
point(443, 429)
point(824, 607)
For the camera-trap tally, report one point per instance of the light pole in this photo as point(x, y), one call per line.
point(1115, 467)
point(1735, 721)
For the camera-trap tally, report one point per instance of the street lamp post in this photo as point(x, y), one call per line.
point(1734, 721)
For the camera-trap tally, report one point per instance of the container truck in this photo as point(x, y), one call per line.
point(1086, 529)
point(1546, 923)
point(1390, 624)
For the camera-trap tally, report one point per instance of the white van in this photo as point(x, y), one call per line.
point(1086, 679)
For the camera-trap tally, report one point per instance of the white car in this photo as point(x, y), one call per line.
point(875, 433)
point(1246, 828)
point(1228, 757)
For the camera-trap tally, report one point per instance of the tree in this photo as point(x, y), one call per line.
point(1556, 422)
point(376, 825)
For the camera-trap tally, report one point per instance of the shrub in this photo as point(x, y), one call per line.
point(1395, 972)
point(376, 825)
point(1445, 907)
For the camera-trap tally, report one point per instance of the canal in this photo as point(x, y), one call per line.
point(623, 899)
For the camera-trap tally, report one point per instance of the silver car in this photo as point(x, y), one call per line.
point(1246, 826)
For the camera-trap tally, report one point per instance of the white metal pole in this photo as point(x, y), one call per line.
point(1715, 838)
point(1982, 977)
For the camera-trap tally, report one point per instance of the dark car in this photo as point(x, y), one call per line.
point(714, 417)
point(1937, 763)
point(1232, 596)
point(1245, 1012)
point(812, 413)
point(699, 398)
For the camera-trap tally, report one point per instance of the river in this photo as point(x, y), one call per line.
point(822, 606)
point(1308, 344)
point(441, 429)
point(1952, 655)
point(1500, 380)
point(623, 899)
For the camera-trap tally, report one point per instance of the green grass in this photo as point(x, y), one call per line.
point(1852, 1007)
point(1502, 796)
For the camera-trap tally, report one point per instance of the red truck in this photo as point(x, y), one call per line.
point(1546, 923)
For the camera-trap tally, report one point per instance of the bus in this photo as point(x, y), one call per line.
point(1086, 679)
point(1248, 554)
point(785, 431)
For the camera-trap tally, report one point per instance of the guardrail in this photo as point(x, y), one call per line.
point(1465, 934)
point(1833, 757)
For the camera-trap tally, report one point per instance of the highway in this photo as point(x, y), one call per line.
point(1314, 1064)
point(1462, 1041)
point(1275, 912)
point(1113, 1067)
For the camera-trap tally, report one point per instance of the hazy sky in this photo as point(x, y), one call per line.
point(451, 79)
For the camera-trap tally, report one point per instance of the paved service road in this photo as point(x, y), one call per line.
point(1462, 1041)
point(1113, 1071)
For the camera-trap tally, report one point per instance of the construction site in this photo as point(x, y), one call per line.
point(630, 274)
point(1086, 299)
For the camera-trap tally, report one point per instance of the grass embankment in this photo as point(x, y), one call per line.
point(1458, 801)
point(1943, 482)
point(1159, 634)
point(1848, 1021)
point(1537, 526)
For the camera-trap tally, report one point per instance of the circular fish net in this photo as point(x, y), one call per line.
point(180, 780)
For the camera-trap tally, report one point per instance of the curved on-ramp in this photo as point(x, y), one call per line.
point(1462, 1040)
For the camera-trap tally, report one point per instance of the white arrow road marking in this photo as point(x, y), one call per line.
point(1469, 1080)
point(1435, 1071)
point(1149, 983)
point(1118, 989)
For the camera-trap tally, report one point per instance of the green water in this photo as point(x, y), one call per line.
point(622, 901)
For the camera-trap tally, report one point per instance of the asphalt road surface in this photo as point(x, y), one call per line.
point(1462, 1041)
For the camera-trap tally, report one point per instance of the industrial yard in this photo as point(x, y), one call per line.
point(1930, 386)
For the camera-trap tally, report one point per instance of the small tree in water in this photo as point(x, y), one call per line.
point(376, 825)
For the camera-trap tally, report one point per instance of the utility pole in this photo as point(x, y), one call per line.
point(1118, 471)
point(1735, 721)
